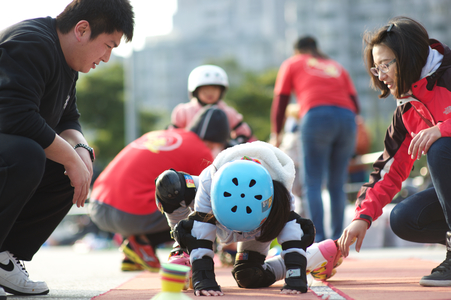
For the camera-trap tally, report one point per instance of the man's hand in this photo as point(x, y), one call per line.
point(80, 179)
point(422, 141)
point(77, 163)
point(355, 231)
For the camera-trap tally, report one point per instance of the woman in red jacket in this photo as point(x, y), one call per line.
point(404, 62)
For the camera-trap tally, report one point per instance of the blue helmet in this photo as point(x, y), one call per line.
point(241, 195)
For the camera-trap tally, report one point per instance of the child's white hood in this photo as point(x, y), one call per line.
point(279, 165)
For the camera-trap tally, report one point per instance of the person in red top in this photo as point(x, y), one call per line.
point(328, 107)
point(123, 196)
point(416, 70)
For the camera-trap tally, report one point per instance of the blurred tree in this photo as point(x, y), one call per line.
point(251, 94)
point(253, 98)
point(100, 100)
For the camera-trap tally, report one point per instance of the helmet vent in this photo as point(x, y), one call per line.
point(234, 208)
point(235, 181)
point(227, 194)
point(258, 197)
point(252, 183)
point(248, 210)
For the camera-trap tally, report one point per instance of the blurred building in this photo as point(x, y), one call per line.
point(251, 32)
point(259, 34)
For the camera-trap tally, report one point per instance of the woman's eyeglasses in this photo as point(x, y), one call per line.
point(382, 68)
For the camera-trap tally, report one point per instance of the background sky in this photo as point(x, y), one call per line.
point(152, 17)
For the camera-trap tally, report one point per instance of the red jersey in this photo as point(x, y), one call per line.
point(128, 182)
point(316, 82)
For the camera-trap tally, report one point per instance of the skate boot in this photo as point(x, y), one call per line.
point(180, 257)
point(441, 275)
point(129, 265)
point(140, 253)
point(322, 259)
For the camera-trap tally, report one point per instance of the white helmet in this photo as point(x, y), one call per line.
point(207, 75)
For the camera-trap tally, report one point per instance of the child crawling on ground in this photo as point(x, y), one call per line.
point(244, 196)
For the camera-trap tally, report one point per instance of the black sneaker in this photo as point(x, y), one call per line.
point(440, 276)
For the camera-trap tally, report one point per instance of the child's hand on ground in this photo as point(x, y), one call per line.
point(208, 293)
point(287, 291)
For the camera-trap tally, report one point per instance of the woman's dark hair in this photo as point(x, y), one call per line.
point(104, 16)
point(278, 215)
point(307, 45)
point(409, 41)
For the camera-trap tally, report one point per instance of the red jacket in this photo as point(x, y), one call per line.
point(429, 106)
point(128, 182)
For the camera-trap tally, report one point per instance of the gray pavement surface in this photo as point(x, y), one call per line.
point(81, 275)
point(75, 275)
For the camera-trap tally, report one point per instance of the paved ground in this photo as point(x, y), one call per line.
point(74, 275)
point(79, 275)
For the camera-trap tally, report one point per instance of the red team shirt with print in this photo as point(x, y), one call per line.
point(128, 182)
point(315, 82)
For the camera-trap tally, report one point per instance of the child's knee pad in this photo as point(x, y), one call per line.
point(249, 272)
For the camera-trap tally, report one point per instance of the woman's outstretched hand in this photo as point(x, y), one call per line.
point(356, 231)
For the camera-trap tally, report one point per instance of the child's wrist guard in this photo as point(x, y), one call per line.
point(203, 275)
point(295, 278)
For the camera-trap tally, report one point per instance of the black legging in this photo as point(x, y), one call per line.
point(35, 196)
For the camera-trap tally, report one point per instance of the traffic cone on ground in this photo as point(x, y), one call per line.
point(173, 278)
